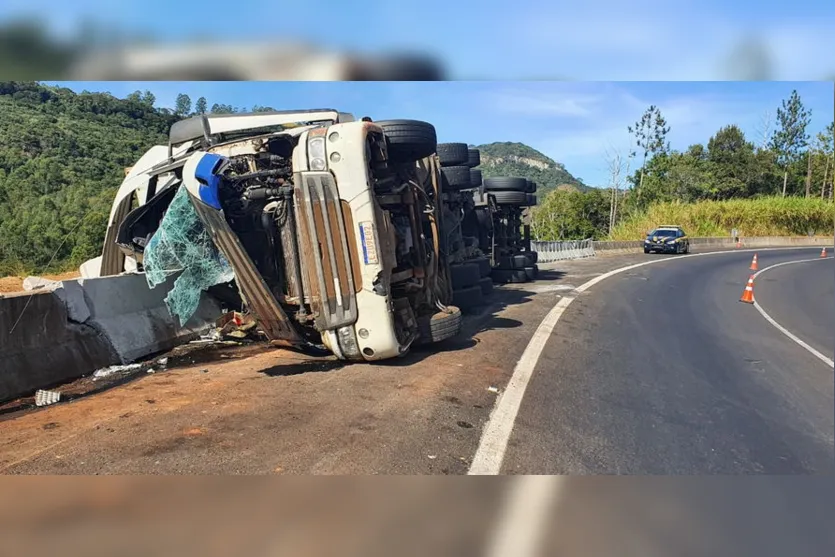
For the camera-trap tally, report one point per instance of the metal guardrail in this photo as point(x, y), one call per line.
point(559, 251)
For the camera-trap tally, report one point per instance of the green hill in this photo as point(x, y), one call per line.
point(517, 159)
point(62, 158)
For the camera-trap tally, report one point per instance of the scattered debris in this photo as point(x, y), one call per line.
point(204, 371)
point(151, 370)
point(38, 283)
point(465, 425)
point(432, 456)
point(45, 398)
point(493, 389)
point(104, 372)
point(163, 362)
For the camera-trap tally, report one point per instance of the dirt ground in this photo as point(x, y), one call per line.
point(15, 284)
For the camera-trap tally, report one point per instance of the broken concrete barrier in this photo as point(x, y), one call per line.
point(132, 316)
point(41, 347)
point(47, 338)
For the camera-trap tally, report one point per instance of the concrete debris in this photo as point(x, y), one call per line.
point(45, 398)
point(105, 372)
point(151, 370)
point(432, 456)
point(493, 389)
point(38, 283)
point(163, 362)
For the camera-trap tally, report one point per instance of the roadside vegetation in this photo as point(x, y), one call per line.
point(766, 216)
point(779, 182)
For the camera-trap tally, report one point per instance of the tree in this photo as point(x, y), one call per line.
point(200, 106)
point(183, 105)
point(731, 160)
point(223, 109)
point(790, 139)
point(650, 137)
point(825, 146)
point(617, 166)
point(259, 108)
point(149, 98)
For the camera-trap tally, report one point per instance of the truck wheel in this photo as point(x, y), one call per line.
point(531, 200)
point(475, 177)
point(504, 276)
point(464, 275)
point(474, 158)
point(533, 257)
point(532, 272)
point(438, 326)
point(486, 285)
point(453, 154)
point(505, 183)
point(455, 178)
point(409, 140)
point(531, 187)
point(512, 198)
point(484, 267)
point(468, 298)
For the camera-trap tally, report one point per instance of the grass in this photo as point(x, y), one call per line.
point(765, 216)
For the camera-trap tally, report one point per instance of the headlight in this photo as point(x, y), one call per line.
point(348, 341)
point(672, 241)
point(316, 153)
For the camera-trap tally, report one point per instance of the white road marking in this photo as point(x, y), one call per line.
point(493, 444)
point(525, 517)
point(782, 329)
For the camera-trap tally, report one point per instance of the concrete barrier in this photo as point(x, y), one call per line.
point(133, 317)
point(45, 348)
point(86, 324)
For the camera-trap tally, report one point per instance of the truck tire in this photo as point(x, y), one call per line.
point(475, 177)
point(484, 267)
point(486, 285)
point(464, 275)
point(531, 200)
point(474, 158)
point(505, 183)
point(409, 140)
point(531, 187)
point(455, 178)
point(485, 220)
point(512, 198)
point(532, 272)
point(504, 276)
point(453, 154)
point(532, 257)
point(468, 298)
point(513, 262)
point(438, 326)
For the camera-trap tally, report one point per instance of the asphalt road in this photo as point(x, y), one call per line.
point(660, 370)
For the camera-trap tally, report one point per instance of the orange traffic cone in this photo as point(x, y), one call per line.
point(754, 263)
point(748, 294)
point(823, 252)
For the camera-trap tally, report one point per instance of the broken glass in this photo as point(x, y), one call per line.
point(183, 245)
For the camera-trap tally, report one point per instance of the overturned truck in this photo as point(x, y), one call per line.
point(324, 228)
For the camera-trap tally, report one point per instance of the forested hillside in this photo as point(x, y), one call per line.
point(62, 158)
point(518, 159)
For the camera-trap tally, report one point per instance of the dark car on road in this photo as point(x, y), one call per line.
point(667, 239)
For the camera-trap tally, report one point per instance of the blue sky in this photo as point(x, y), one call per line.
point(497, 39)
point(571, 122)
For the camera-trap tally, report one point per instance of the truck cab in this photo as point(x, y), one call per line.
point(328, 223)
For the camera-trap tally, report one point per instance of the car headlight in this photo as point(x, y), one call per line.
point(316, 153)
point(672, 241)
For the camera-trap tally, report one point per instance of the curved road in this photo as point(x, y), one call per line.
point(660, 370)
